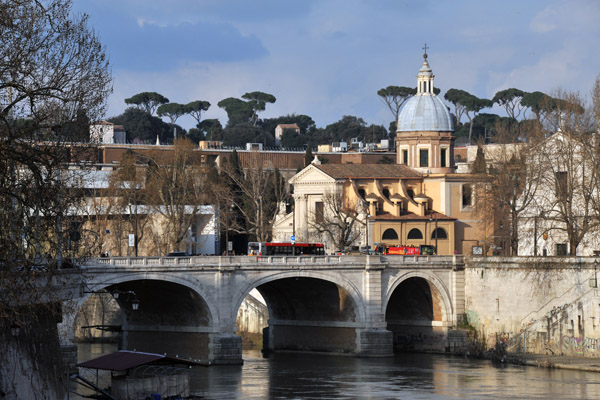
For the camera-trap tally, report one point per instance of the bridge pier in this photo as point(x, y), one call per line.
point(327, 337)
point(225, 349)
point(374, 343)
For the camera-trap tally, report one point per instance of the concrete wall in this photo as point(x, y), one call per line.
point(537, 305)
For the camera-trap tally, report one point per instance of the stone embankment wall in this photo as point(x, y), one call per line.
point(535, 305)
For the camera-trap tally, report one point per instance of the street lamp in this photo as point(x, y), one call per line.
point(116, 294)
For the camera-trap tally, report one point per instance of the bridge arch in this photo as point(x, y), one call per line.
point(308, 311)
point(176, 314)
point(418, 311)
point(336, 279)
point(192, 284)
point(432, 279)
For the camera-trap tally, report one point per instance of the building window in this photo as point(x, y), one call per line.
point(362, 193)
point(467, 195)
point(411, 194)
point(443, 155)
point(404, 156)
point(561, 249)
point(319, 212)
point(386, 193)
point(423, 158)
point(561, 184)
point(415, 234)
point(439, 233)
point(389, 234)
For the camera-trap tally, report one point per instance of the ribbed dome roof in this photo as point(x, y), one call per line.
point(424, 113)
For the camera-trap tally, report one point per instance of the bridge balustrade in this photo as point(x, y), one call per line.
point(264, 261)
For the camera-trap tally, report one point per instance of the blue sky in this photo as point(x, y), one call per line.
point(327, 59)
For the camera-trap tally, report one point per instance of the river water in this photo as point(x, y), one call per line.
point(406, 376)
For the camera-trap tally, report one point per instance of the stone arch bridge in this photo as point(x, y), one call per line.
point(366, 306)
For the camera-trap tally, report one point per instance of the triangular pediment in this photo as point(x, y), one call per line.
point(311, 174)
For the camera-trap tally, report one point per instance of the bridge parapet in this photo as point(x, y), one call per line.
point(253, 262)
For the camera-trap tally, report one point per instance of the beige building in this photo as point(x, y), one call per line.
point(279, 129)
point(420, 200)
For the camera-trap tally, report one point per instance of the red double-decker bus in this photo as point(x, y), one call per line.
point(285, 249)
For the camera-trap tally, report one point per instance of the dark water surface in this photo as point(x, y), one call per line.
point(406, 376)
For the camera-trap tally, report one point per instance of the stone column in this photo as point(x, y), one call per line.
point(225, 347)
point(374, 340)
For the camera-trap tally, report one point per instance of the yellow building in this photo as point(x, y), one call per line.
point(418, 201)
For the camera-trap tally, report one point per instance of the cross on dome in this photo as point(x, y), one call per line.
point(425, 77)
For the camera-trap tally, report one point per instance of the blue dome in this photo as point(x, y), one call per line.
point(424, 113)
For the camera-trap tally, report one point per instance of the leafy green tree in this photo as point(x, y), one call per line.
point(172, 111)
point(467, 104)
point(479, 165)
point(195, 135)
point(510, 99)
point(472, 106)
point(454, 96)
point(243, 133)
point(484, 126)
point(304, 122)
point(292, 140)
point(147, 101)
point(258, 101)
point(238, 111)
point(195, 109)
point(394, 97)
point(141, 126)
point(343, 130)
point(212, 129)
point(308, 157)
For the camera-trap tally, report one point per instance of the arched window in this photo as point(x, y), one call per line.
point(439, 233)
point(411, 193)
point(389, 234)
point(415, 234)
point(362, 193)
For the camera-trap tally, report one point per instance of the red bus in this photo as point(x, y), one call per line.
point(408, 250)
point(285, 249)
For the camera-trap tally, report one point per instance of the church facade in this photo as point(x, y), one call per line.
point(420, 200)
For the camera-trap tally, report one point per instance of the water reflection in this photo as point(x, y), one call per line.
point(406, 376)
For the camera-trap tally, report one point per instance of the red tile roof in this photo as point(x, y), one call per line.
point(368, 171)
point(412, 217)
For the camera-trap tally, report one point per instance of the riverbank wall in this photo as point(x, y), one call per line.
point(545, 306)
